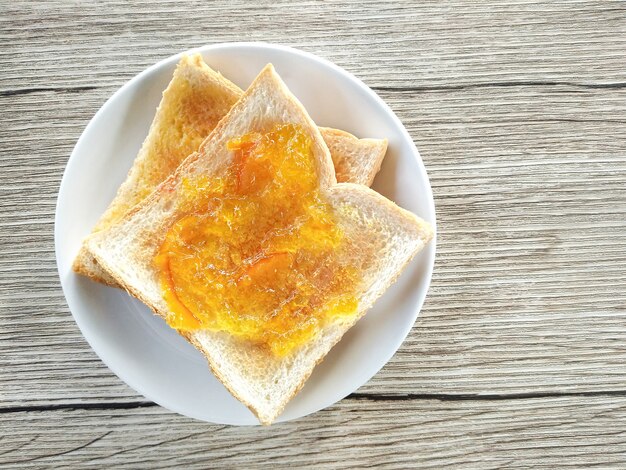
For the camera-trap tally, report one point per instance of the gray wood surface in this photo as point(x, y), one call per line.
point(519, 356)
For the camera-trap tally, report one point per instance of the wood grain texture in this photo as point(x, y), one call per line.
point(560, 432)
point(519, 111)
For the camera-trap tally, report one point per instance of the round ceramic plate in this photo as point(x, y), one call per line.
point(138, 346)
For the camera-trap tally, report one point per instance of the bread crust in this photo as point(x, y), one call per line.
point(356, 160)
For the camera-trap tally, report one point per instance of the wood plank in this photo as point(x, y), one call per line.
point(560, 432)
point(526, 297)
point(431, 44)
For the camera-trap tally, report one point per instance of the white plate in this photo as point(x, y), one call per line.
point(139, 347)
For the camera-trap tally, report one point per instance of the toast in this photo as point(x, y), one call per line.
point(355, 160)
point(381, 239)
point(192, 105)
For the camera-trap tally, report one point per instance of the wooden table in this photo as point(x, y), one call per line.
point(519, 355)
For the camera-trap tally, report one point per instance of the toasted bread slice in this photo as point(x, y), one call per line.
point(192, 105)
point(355, 160)
point(381, 239)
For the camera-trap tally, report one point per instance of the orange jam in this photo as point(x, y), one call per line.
point(255, 253)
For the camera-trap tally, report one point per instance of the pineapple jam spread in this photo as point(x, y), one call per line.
point(255, 253)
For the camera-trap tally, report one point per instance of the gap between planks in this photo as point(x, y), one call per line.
point(354, 396)
point(469, 86)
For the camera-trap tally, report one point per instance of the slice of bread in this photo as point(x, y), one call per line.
point(356, 160)
point(195, 100)
point(192, 105)
point(381, 240)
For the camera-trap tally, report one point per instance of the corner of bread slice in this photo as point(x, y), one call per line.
point(356, 160)
point(269, 101)
point(197, 71)
point(260, 380)
point(384, 237)
point(86, 265)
